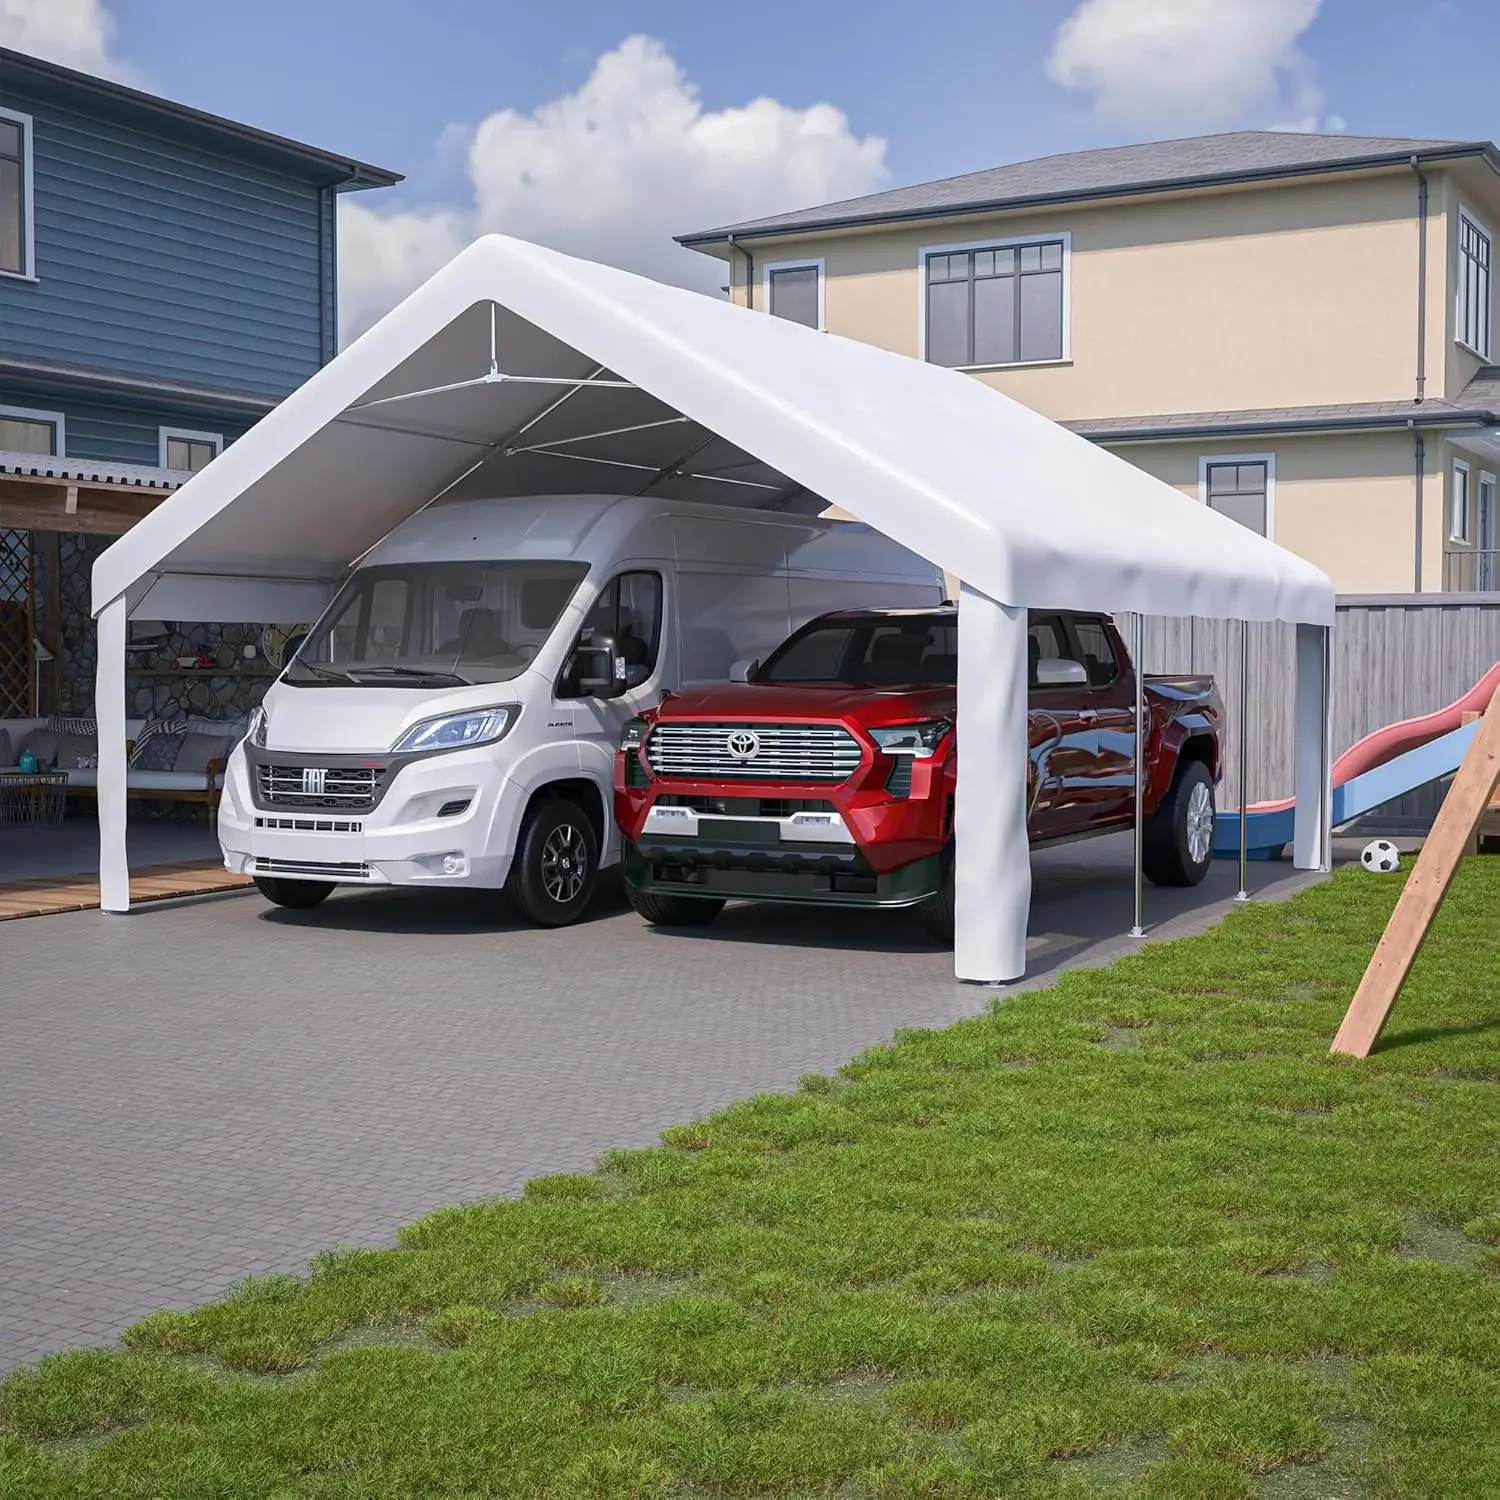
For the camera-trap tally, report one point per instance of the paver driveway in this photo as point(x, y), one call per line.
point(213, 1088)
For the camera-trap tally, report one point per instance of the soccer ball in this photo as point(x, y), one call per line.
point(1382, 856)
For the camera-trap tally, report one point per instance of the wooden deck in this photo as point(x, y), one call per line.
point(43, 898)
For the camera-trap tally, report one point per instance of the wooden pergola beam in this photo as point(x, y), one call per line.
point(74, 505)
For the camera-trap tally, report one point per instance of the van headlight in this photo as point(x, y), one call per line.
point(477, 726)
point(256, 734)
point(919, 740)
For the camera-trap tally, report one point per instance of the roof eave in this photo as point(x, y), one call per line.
point(342, 172)
point(707, 239)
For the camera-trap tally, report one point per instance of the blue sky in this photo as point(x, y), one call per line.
point(548, 121)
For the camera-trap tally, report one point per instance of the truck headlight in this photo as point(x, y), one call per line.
point(256, 734)
point(919, 740)
point(632, 735)
point(478, 726)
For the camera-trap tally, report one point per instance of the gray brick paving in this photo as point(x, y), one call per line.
point(212, 1088)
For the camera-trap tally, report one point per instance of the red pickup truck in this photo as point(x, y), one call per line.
point(827, 774)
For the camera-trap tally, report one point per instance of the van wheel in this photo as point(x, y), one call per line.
point(674, 911)
point(936, 910)
point(296, 895)
point(552, 877)
point(1178, 842)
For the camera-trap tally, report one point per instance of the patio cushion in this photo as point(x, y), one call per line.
point(76, 724)
point(166, 781)
point(158, 751)
point(43, 744)
point(6, 758)
point(196, 750)
point(75, 749)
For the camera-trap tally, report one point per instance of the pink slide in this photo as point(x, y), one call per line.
point(1396, 739)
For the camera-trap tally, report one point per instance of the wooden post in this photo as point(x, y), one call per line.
point(1399, 945)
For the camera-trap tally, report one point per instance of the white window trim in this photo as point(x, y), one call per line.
point(28, 225)
point(1473, 219)
point(56, 418)
point(1062, 235)
point(1460, 466)
point(1210, 460)
point(187, 436)
point(814, 263)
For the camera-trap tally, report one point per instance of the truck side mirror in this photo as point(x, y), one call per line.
point(743, 671)
point(602, 670)
point(1058, 671)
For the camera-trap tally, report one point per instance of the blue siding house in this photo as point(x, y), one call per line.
point(166, 276)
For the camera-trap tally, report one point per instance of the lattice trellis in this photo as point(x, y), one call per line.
point(17, 625)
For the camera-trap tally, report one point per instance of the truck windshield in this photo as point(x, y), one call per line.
point(905, 651)
point(436, 624)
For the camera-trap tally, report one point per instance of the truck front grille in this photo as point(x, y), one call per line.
point(351, 787)
point(753, 752)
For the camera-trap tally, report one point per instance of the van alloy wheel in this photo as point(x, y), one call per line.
point(565, 864)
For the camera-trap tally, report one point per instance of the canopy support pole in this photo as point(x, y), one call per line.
point(1138, 653)
point(992, 858)
point(1244, 748)
point(109, 713)
point(1312, 828)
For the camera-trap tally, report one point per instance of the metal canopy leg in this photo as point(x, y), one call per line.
point(992, 857)
point(1312, 828)
point(1244, 748)
point(109, 714)
point(1138, 653)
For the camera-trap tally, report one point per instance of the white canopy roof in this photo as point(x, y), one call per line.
point(517, 370)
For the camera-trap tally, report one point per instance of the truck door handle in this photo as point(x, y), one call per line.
point(1087, 715)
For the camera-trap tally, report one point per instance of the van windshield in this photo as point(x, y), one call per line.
point(888, 651)
point(436, 624)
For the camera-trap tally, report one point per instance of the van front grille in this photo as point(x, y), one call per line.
point(350, 787)
point(753, 752)
point(313, 869)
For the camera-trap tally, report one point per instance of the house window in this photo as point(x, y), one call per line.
point(795, 292)
point(995, 305)
point(26, 431)
point(1458, 503)
point(15, 193)
point(1241, 488)
point(1473, 286)
point(188, 451)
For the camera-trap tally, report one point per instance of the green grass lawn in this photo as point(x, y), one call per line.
point(1137, 1234)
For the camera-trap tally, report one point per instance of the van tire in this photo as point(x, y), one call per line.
point(1168, 855)
point(556, 864)
point(674, 911)
point(295, 895)
point(936, 910)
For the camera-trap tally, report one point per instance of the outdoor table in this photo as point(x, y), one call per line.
point(31, 799)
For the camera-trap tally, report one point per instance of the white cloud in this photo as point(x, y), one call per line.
point(613, 171)
point(76, 33)
point(1190, 64)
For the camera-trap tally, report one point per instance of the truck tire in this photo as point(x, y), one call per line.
point(936, 910)
point(556, 865)
point(295, 895)
point(1178, 843)
point(674, 911)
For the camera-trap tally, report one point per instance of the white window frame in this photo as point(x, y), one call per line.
point(56, 418)
point(1461, 536)
point(1039, 238)
point(808, 263)
point(28, 197)
point(1206, 461)
point(186, 435)
point(1480, 227)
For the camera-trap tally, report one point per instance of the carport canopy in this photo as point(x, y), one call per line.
point(520, 371)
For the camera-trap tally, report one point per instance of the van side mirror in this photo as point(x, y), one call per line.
point(602, 670)
point(1058, 671)
point(743, 671)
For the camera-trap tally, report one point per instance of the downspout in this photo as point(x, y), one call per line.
point(749, 270)
point(1418, 446)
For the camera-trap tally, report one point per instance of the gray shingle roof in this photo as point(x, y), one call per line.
point(1484, 389)
point(1155, 166)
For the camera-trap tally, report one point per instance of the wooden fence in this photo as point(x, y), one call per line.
point(1394, 656)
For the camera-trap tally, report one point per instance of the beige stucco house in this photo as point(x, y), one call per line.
point(1295, 329)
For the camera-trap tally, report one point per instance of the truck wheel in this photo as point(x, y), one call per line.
point(1178, 843)
point(674, 911)
point(936, 910)
point(552, 876)
point(297, 895)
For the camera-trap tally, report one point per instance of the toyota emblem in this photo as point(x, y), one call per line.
point(742, 744)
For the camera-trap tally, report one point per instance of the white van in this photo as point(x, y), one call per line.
point(452, 719)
